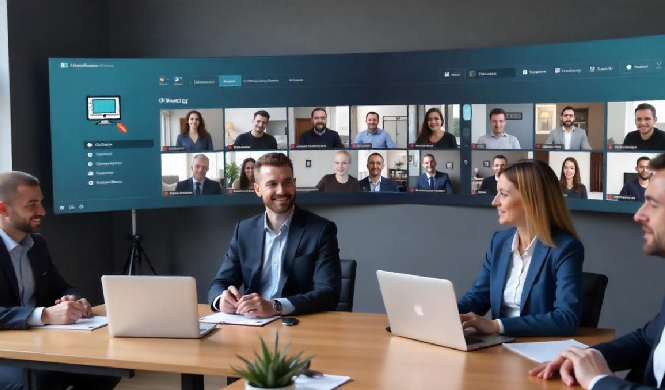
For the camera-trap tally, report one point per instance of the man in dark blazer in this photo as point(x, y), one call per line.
point(593, 367)
point(489, 183)
point(432, 179)
point(286, 258)
point(32, 291)
point(199, 184)
point(375, 182)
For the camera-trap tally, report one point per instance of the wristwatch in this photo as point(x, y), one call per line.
point(277, 306)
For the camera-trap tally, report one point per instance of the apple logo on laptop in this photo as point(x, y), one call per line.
point(419, 310)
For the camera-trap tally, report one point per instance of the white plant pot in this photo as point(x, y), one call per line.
point(290, 387)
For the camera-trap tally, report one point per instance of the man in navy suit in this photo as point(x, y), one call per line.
point(286, 258)
point(375, 182)
point(432, 179)
point(592, 368)
point(199, 184)
point(489, 183)
point(32, 292)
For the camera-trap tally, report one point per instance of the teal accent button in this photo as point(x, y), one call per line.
point(466, 112)
point(230, 81)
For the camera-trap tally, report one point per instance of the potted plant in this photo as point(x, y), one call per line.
point(231, 172)
point(272, 369)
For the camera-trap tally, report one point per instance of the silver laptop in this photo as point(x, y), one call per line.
point(153, 306)
point(425, 309)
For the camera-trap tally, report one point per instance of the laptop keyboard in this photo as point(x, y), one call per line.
point(472, 340)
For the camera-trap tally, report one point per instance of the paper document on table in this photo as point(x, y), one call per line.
point(323, 382)
point(545, 351)
point(236, 319)
point(91, 323)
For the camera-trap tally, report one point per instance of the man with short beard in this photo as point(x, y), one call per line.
point(569, 136)
point(320, 135)
point(286, 258)
point(592, 367)
point(32, 291)
point(636, 188)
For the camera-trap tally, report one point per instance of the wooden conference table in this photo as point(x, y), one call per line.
point(352, 344)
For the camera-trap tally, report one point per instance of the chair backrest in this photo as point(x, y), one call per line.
point(348, 285)
point(594, 294)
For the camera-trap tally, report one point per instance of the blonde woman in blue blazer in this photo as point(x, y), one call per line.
point(531, 278)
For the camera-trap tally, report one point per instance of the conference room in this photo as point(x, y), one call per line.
point(429, 235)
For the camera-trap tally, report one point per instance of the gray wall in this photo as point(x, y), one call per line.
point(192, 241)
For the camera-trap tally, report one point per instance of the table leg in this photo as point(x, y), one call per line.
point(191, 382)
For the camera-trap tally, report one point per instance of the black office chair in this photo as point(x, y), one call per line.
point(594, 293)
point(348, 285)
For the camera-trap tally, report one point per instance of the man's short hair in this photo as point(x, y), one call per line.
point(646, 106)
point(643, 158)
point(200, 155)
point(500, 156)
point(657, 163)
point(9, 182)
point(497, 111)
point(319, 109)
point(429, 155)
point(272, 160)
point(262, 113)
point(375, 154)
point(372, 113)
point(346, 153)
point(567, 108)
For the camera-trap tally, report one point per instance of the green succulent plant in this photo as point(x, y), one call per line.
point(272, 369)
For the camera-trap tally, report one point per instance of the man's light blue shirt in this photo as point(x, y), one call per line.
point(379, 139)
point(25, 279)
point(272, 276)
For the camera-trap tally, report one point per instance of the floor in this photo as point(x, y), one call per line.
point(149, 380)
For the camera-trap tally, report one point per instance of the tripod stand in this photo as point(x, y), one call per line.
point(136, 253)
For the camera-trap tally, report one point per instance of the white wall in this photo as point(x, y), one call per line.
point(478, 121)
point(322, 164)
point(617, 165)
point(213, 117)
point(5, 106)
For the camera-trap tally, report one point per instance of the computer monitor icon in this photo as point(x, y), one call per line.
point(103, 109)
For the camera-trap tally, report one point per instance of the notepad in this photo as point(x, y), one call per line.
point(236, 319)
point(545, 351)
point(324, 382)
point(91, 323)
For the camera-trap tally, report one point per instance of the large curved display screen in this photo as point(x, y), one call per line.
point(417, 127)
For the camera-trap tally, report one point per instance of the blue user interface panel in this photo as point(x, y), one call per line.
point(418, 127)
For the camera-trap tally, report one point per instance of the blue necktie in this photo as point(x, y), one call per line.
point(198, 188)
point(431, 183)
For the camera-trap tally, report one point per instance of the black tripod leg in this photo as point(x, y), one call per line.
point(147, 260)
point(132, 255)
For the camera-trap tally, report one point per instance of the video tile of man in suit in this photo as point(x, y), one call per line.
point(489, 183)
point(433, 180)
point(375, 182)
point(569, 136)
point(32, 291)
point(592, 368)
point(199, 184)
point(286, 258)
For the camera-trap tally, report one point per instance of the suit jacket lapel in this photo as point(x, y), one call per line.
point(498, 284)
point(255, 253)
point(540, 252)
point(8, 268)
point(296, 231)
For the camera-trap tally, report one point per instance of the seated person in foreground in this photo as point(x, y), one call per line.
point(641, 350)
point(199, 184)
point(32, 291)
point(570, 180)
point(375, 182)
point(320, 135)
point(246, 179)
point(297, 268)
point(257, 138)
point(489, 183)
point(340, 181)
point(433, 179)
point(531, 278)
